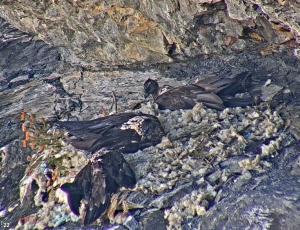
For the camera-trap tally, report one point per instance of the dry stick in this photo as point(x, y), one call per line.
point(114, 104)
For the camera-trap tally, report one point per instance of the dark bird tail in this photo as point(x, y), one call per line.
point(102, 177)
point(75, 195)
point(238, 84)
point(238, 102)
point(76, 190)
point(226, 86)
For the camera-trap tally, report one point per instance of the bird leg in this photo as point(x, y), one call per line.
point(112, 208)
point(125, 207)
point(119, 202)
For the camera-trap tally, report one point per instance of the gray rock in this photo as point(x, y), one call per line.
point(131, 223)
point(242, 180)
point(65, 92)
point(214, 176)
point(270, 91)
point(270, 204)
point(133, 32)
point(232, 164)
point(23, 57)
point(153, 219)
point(168, 198)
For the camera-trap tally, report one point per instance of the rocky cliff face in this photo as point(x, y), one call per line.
point(126, 32)
point(61, 59)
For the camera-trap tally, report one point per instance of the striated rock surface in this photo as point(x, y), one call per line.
point(246, 169)
point(23, 57)
point(257, 204)
point(126, 32)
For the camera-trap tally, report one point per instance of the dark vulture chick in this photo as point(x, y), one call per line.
point(127, 132)
point(94, 185)
point(213, 92)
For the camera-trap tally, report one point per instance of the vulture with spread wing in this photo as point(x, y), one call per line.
point(90, 194)
point(105, 139)
point(213, 92)
point(127, 132)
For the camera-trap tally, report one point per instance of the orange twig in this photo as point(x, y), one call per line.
point(24, 128)
point(23, 116)
point(24, 144)
point(27, 136)
point(32, 119)
point(42, 148)
point(32, 145)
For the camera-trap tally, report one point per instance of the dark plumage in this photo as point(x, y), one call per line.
point(106, 173)
point(213, 92)
point(127, 132)
point(96, 183)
